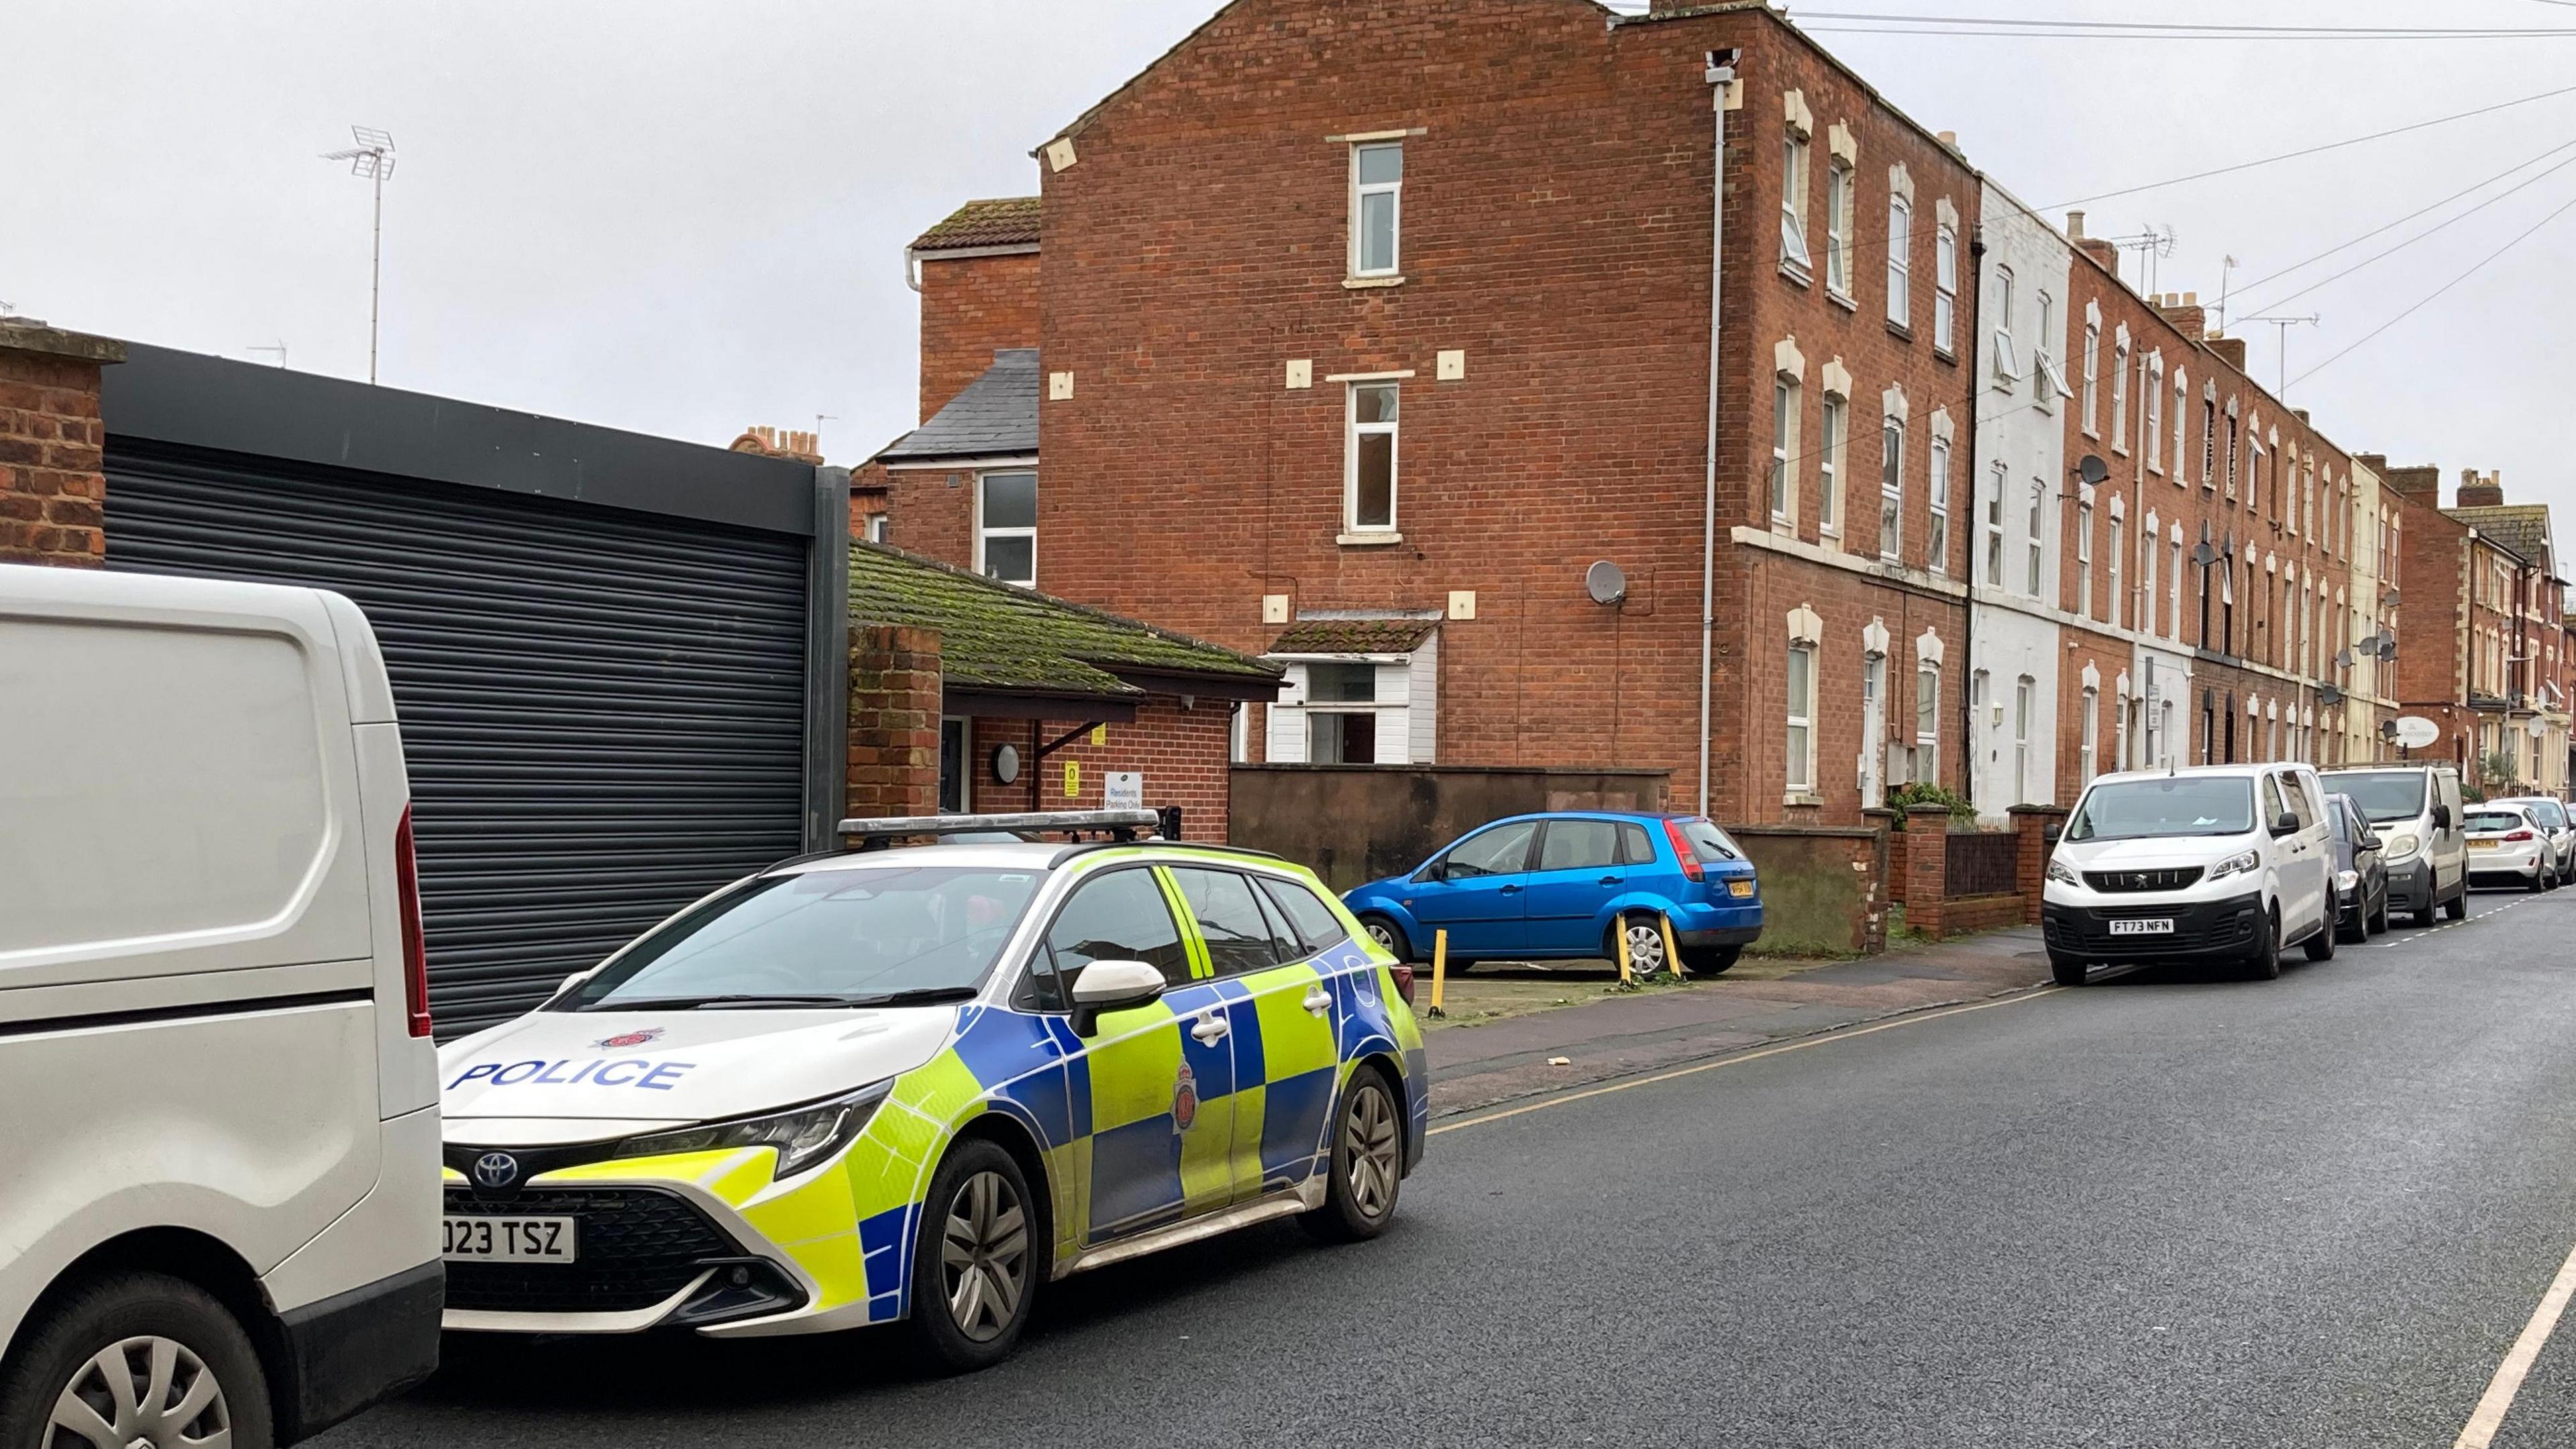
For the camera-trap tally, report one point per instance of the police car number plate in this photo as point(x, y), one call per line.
point(2161, 926)
point(509, 1240)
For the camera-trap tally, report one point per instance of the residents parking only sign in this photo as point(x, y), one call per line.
point(1122, 790)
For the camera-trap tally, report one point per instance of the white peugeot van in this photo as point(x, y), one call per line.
point(218, 1096)
point(2225, 862)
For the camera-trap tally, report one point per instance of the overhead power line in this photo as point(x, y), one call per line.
point(2315, 150)
point(2410, 216)
point(2432, 230)
point(2482, 265)
point(2162, 29)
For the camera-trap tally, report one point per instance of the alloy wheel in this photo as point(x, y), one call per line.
point(1383, 934)
point(142, 1393)
point(984, 1256)
point(1645, 949)
point(1376, 1151)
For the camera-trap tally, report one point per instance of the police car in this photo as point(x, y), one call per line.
point(915, 1084)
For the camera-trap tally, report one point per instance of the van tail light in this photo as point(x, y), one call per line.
point(2521, 835)
point(1403, 974)
point(1683, 852)
point(415, 953)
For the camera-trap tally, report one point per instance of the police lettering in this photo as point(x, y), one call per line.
point(642, 1072)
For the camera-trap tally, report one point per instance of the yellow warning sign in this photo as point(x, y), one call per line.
point(1072, 779)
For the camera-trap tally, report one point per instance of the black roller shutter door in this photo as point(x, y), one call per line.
point(603, 710)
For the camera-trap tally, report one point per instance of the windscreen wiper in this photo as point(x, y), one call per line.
point(918, 996)
point(695, 1003)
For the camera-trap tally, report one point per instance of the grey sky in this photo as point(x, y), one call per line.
point(687, 218)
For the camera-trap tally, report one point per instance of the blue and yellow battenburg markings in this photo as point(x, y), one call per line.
point(1128, 1146)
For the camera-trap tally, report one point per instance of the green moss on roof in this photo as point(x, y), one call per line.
point(2521, 528)
point(997, 222)
point(1002, 637)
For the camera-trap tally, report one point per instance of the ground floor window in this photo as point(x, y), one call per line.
point(1373, 710)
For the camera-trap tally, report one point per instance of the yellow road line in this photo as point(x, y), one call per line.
point(1795, 1046)
point(2490, 1412)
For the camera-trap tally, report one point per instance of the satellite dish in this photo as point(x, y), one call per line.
point(2388, 729)
point(2093, 470)
point(2330, 695)
point(2343, 658)
point(2203, 555)
point(2535, 727)
point(2414, 731)
point(1606, 582)
point(2387, 646)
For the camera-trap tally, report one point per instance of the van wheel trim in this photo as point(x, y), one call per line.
point(146, 1390)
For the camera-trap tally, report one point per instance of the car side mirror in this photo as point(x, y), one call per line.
point(570, 983)
point(2285, 823)
point(2053, 833)
point(1106, 986)
point(2441, 817)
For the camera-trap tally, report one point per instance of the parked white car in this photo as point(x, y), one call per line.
point(2508, 846)
point(2223, 862)
point(219, 1224)
point(2550, 817)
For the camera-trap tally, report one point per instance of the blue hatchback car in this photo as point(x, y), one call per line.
point(1573, 885)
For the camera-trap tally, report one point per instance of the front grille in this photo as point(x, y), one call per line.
point(2206, 927)
point(634, 1248)
point(2124, 882)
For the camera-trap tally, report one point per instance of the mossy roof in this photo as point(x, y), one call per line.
point(1001, 637)
point(999, 221)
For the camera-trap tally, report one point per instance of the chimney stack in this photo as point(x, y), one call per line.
point(2185, 313)
point(2423, 484)
point(2479, 490)
point(2231, 350)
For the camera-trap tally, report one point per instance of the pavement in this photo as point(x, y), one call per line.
point(2172, 1209)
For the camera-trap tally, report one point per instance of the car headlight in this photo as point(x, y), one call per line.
point(2057, 871)
point(2347, 879)
point(803, 1136)
point(2401, 845)
point(2237, 864)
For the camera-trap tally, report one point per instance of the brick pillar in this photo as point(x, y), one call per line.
point(2031, 823)
point(1927, 866)
point(52, 487)
point(894, 720)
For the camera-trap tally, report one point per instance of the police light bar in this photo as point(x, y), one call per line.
point(1121, 824)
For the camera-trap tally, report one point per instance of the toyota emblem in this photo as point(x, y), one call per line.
point(496, 1169)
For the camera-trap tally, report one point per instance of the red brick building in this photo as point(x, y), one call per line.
point(1411, 334)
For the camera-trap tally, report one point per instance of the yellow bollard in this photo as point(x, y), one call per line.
point(1439, 972)
point(1672, 952)
point(1619, 935)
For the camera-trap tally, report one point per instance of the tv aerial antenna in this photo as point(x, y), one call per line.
point(372, 159)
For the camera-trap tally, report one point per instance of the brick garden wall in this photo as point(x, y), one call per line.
point(52, 492)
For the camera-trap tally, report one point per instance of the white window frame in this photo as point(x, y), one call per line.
point(2092, 379)
point(2120, 364)
point(984, 535)
point(1995, 527)
point(1352, 431)
point(1927, 710)
point(1360, 192)
point(2118, 540)
point(2085, 757)
point(1797, 258)
point(1945, 288)
point(2007, 356)
point(876, 528)
point(2023, 689)
point(2155, 412)
point(1833, 432)
point(2149, 556)
point(2034, 575)
point(1900, 261)
point(1800, 764)
point(1842, 186)
point(1784, 445)
point(1937, 537)
point(2048, 382)
point(1891, 488)
point(2084, 560)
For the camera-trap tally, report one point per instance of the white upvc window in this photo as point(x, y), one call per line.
point(2084, 559)
point(1356, 709)
point(1784, 443)
point(2007, 358)
point(2149, 601)
point(1829, 469)
point(876, 528)
point(2092, 380)
point(1377, 208)
point(1794, 256)
point(2048, 380)
point(2118, 605)
point(1801, 736)
point(1927, 722)
point(2085, 752)
point(1006, 526)
point(1369, 458)
point(1936, 543)
point(1839, 187)
point(2181, 426)
point(1900, 261)
point(2156, 413)
point(2036, 539)
point(2022, 692)
point(2173, 616)
point(1995, 529)
point(1891, 489)
point(1945, 287)
point(2120, 395)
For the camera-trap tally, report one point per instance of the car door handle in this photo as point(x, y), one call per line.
point(1209, 1030)
point(1508, 891)
point(1318, 1000)
point(1612, 879)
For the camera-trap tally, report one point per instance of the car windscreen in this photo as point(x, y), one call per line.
point(2495, 822)
point(871, 935)
point(2170, 806)
point(1710, 844)
point(2393, 795)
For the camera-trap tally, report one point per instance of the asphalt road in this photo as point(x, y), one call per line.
point(2169, 1210)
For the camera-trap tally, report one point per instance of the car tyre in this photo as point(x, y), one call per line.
point(1366, 1165)
point(2265, 964)
point(1711, 960)
point(977, 1260)
point(1384, 931)
point(2066, 970)
point(2540, 880)
point(2360, 931)
point(2321, 946)
point(2457, 907)
point(2378, 922)
point(170, 1331)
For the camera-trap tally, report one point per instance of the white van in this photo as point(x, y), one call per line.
point(218, 1096)
point(2225, 862)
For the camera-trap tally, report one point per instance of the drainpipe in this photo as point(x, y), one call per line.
point(1976, 516)
point(1720, 74)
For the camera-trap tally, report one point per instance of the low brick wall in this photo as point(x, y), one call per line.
point(1822, 888)
point(894, 721)
point(1358, 823)
point(1974, 913)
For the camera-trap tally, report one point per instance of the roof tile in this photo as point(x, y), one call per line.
point(1000, 222)
point(996, 416)
point(1354, 636)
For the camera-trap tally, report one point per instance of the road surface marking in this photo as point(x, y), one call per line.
point(1801, 1045)
point(2491, 1409)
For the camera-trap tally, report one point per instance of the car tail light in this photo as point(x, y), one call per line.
point(415, 953)
point(1682, 849)
point(2520, 835)
point(1403, 975)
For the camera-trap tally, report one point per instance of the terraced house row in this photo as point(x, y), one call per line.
point(1548, 386)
